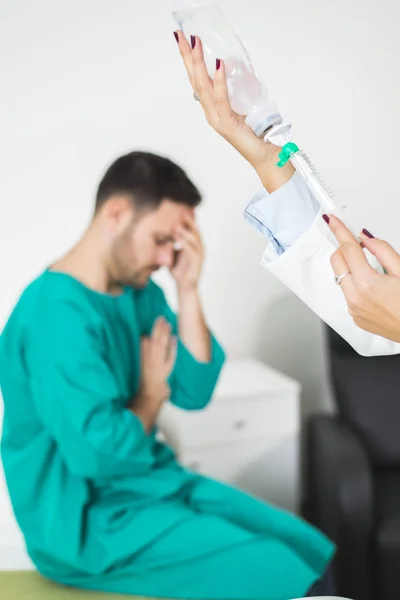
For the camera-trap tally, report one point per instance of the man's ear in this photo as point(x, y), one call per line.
point(119, 211)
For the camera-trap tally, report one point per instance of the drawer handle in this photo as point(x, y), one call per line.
point(239, 425)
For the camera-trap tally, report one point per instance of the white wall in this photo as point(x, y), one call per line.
point(83, 81)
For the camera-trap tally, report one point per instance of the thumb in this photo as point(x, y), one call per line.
point(384, 252)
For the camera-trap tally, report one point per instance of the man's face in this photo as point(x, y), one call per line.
point(147, 244)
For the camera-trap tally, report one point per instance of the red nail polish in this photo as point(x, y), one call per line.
point(218, 63)
point(326, 218)
point(368, 234)
point(193, 40)
point(176, 36)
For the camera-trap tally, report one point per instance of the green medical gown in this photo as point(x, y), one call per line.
point(101, 504)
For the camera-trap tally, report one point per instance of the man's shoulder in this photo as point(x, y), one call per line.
point(23, 313)
point(49, 300)
point(25, 303)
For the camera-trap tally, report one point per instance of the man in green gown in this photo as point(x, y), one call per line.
point(88, 357)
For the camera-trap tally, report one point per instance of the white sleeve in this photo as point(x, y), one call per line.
point(304, 267)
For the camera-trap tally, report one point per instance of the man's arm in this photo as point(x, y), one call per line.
point(200, 357)
point(78, 399)
point(193, 330)
point(192, 380)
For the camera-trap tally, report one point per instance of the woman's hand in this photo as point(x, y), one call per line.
point(214, 99)
point(373, 298)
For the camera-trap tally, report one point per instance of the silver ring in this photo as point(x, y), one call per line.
point(196, 96)
point(339, 278)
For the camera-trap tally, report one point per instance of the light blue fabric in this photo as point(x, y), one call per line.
point(285, 215)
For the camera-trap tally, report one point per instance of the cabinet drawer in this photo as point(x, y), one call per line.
point(235, 422)
point(268, 470)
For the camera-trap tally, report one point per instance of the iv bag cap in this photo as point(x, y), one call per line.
point(263, 117)
point(280, 134)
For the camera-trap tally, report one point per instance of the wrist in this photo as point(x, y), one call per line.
point(189, 292)
point(147, 397)
point(272, 176)
point(146, 407)
point(267, 157)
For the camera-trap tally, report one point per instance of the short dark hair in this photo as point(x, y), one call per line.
point(148, 179)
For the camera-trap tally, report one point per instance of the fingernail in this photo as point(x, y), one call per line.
point(193, 40)
point(326, 218)
point(368, 234)
point(218, 63)
point(176, 36)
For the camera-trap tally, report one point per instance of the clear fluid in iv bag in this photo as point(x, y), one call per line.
point(246, 92)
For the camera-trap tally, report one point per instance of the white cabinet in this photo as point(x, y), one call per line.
point(248, 436)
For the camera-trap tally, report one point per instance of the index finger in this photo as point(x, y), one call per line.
point(351, 249)
point(203, 84)
point(186, 54)
point(341, 232)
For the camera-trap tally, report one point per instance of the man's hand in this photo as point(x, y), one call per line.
point(192, 326)
point(158, 359)
point(373, 299)
point(187, 269)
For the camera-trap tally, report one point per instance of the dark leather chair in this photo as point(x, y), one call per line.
point(352, 482)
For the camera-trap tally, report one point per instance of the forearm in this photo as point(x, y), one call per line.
point(193, 330)
point(272, 176)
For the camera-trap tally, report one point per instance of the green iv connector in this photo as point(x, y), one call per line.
point(287, 151)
